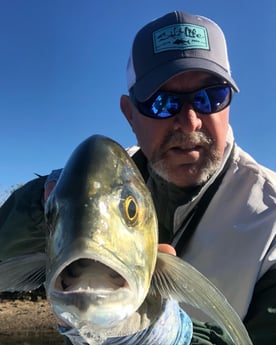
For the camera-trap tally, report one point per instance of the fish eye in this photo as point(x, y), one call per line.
point(130, 209)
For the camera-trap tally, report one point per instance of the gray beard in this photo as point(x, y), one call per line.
point(206, 171)
point(209, 166)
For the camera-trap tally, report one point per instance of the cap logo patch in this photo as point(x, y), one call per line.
point(180, 37)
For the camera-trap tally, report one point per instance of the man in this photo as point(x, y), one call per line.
point(214, 203)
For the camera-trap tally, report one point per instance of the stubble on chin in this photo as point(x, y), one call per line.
point(195, 174)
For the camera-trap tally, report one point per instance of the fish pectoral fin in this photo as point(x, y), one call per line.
point(175, 278)
point(22, 273)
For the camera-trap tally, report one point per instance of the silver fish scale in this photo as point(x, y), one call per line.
point(173, 327)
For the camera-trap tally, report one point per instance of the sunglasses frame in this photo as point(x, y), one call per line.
point(184, 97)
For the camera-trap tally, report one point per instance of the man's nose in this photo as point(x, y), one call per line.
point(187, 120)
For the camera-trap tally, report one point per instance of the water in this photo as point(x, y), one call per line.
point(32, 338)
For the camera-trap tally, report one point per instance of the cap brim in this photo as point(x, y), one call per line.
point(150, 83)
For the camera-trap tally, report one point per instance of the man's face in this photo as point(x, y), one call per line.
point(185, 149)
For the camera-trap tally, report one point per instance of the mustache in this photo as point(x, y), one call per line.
point(191, 139)
point(185, 140)
point(173, 138)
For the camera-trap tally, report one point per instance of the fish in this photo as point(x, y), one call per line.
point(101, 263)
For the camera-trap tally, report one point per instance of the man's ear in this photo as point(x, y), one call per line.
point(127, 108)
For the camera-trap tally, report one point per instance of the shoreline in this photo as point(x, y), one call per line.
point(27, 319)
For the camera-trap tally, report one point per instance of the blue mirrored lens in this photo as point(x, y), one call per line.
point(165, 104)
point(212, 100)
point(202, 102)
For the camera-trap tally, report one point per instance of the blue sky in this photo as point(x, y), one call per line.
point(62, 71)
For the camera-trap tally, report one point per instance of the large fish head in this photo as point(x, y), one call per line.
point(102, 241)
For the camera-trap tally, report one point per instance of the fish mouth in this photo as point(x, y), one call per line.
point(87, 290)
point(88, 277)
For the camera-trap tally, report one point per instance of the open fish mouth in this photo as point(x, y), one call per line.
point(91, 291)
point(89, 276)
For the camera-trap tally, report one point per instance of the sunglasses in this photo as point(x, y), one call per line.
point(208, 100)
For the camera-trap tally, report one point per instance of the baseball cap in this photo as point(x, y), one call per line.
point(172, 44)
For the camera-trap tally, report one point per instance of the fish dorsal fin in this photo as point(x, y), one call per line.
point(22, 273)
point(175, 278)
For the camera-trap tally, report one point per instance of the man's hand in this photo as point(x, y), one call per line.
point(166, 248)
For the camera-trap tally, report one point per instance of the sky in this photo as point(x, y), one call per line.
point(62, 72)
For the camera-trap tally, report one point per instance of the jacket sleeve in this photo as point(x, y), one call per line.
point(260, 320)
point(22, 225)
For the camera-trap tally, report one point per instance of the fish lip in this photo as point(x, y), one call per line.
point(83, 300)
